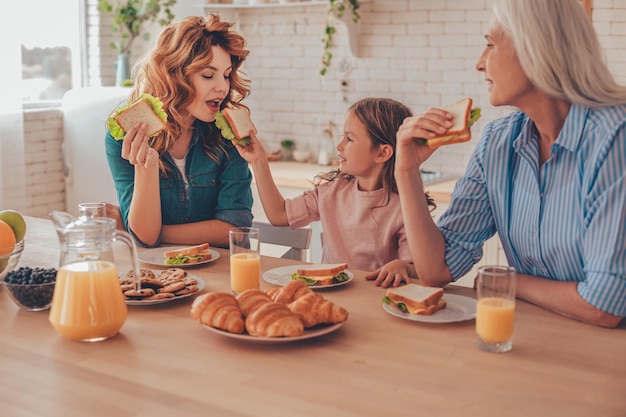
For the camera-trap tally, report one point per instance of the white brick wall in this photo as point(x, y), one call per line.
point(420, 52)
point(45, 184)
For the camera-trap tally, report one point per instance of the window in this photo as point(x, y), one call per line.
point(50, 42)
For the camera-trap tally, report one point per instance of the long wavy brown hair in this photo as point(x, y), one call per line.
point(181, 50)
point(382, 118)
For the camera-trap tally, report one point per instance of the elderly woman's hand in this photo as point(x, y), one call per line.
point(409, 151)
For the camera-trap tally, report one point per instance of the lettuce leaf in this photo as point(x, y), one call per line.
point(157, 107)
point(399, 306)
point(222, 124)
point(474, 116)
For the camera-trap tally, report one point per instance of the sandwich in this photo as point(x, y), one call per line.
point(146, 109)
point(464, 117)
point(415, 299)
point(235, 125)
point(322, 274)
point(187, 255)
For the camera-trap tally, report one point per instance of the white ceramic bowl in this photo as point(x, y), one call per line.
point(301, 156)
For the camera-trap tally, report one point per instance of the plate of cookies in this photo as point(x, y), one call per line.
point(160, 287)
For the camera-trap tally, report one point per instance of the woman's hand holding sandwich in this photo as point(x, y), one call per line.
point(135, 147)
point(410, 153)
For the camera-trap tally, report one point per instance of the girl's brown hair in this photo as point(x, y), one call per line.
point(382, 118)
point(181, 50)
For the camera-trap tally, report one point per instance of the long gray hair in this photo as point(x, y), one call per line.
point(559, 50)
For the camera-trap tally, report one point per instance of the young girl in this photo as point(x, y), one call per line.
point(187, 184)
point(357, 204)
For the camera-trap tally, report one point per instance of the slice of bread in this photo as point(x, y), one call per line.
point(321, 270)
point(418, 298)
point(200, 257)
point(239, 121)
point(189, 250)
point(459, 132)
point(140, 111)
point(461, 111)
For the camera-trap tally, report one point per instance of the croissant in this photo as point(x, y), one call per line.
point(274, 320)
point(218, 309)
point(314, 309)
point(251, 299)
point(290, 292)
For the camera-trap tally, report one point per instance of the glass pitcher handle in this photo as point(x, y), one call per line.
point(119, 235)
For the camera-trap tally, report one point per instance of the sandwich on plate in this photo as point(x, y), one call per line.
point(322, 274)
point(187, 255)
point(235, 125)
point(147, 109)
point(415, 299)
point(464, 117)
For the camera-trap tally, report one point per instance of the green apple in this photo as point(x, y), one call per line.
point(16, 221)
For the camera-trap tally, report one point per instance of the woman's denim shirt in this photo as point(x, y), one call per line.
point(216, 190)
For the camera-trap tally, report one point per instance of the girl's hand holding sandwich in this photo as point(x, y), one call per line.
point(254, 152)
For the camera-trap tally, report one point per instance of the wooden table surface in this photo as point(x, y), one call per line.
point(163, 363)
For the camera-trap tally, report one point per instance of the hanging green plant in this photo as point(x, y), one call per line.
point(336, 9)
point(130, 16)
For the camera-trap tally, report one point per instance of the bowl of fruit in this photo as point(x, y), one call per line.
point(12, 232)
point(31, 288)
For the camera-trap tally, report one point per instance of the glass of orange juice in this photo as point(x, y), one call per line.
point(245, 258)
point(495, 309)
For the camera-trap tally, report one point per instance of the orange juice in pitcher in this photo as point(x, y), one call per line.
point(88, 304)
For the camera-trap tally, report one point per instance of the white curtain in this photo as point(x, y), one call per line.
point(12, 158)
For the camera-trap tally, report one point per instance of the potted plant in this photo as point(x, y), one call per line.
point(336, 9)
point(129, 19)
point(287, 146)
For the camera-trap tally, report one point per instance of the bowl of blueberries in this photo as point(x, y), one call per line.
point(31, 288)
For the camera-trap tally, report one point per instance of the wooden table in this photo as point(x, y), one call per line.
point(165, 364)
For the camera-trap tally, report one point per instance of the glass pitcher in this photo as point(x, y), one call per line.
point(88, 304)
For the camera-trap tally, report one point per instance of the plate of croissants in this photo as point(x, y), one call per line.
point(283, 314)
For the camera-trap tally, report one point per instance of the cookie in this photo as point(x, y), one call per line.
point(127, 286)
point(143, 273)
point(172, 275)
point(142, 293)
point(160, 296)
point(190, 281)
point(189, 289)
point(173, 287)
point(151, 283)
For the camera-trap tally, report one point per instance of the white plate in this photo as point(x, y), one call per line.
point(282, 276)
point(155, 257)
point(201, 284)
point(459, 308)
point(308, 334)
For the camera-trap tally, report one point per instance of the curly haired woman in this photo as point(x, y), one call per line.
point(187, 184)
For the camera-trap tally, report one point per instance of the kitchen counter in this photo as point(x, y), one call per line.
point(299, 175)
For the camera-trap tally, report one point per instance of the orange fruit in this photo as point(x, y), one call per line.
point(7, 238)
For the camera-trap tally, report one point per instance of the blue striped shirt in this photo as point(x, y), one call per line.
point(565, 220)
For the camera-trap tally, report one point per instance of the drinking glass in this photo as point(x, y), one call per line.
point(495, 309)
point(245, 258)
point(93, 209)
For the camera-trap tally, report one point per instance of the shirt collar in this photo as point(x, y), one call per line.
point(570, 135)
